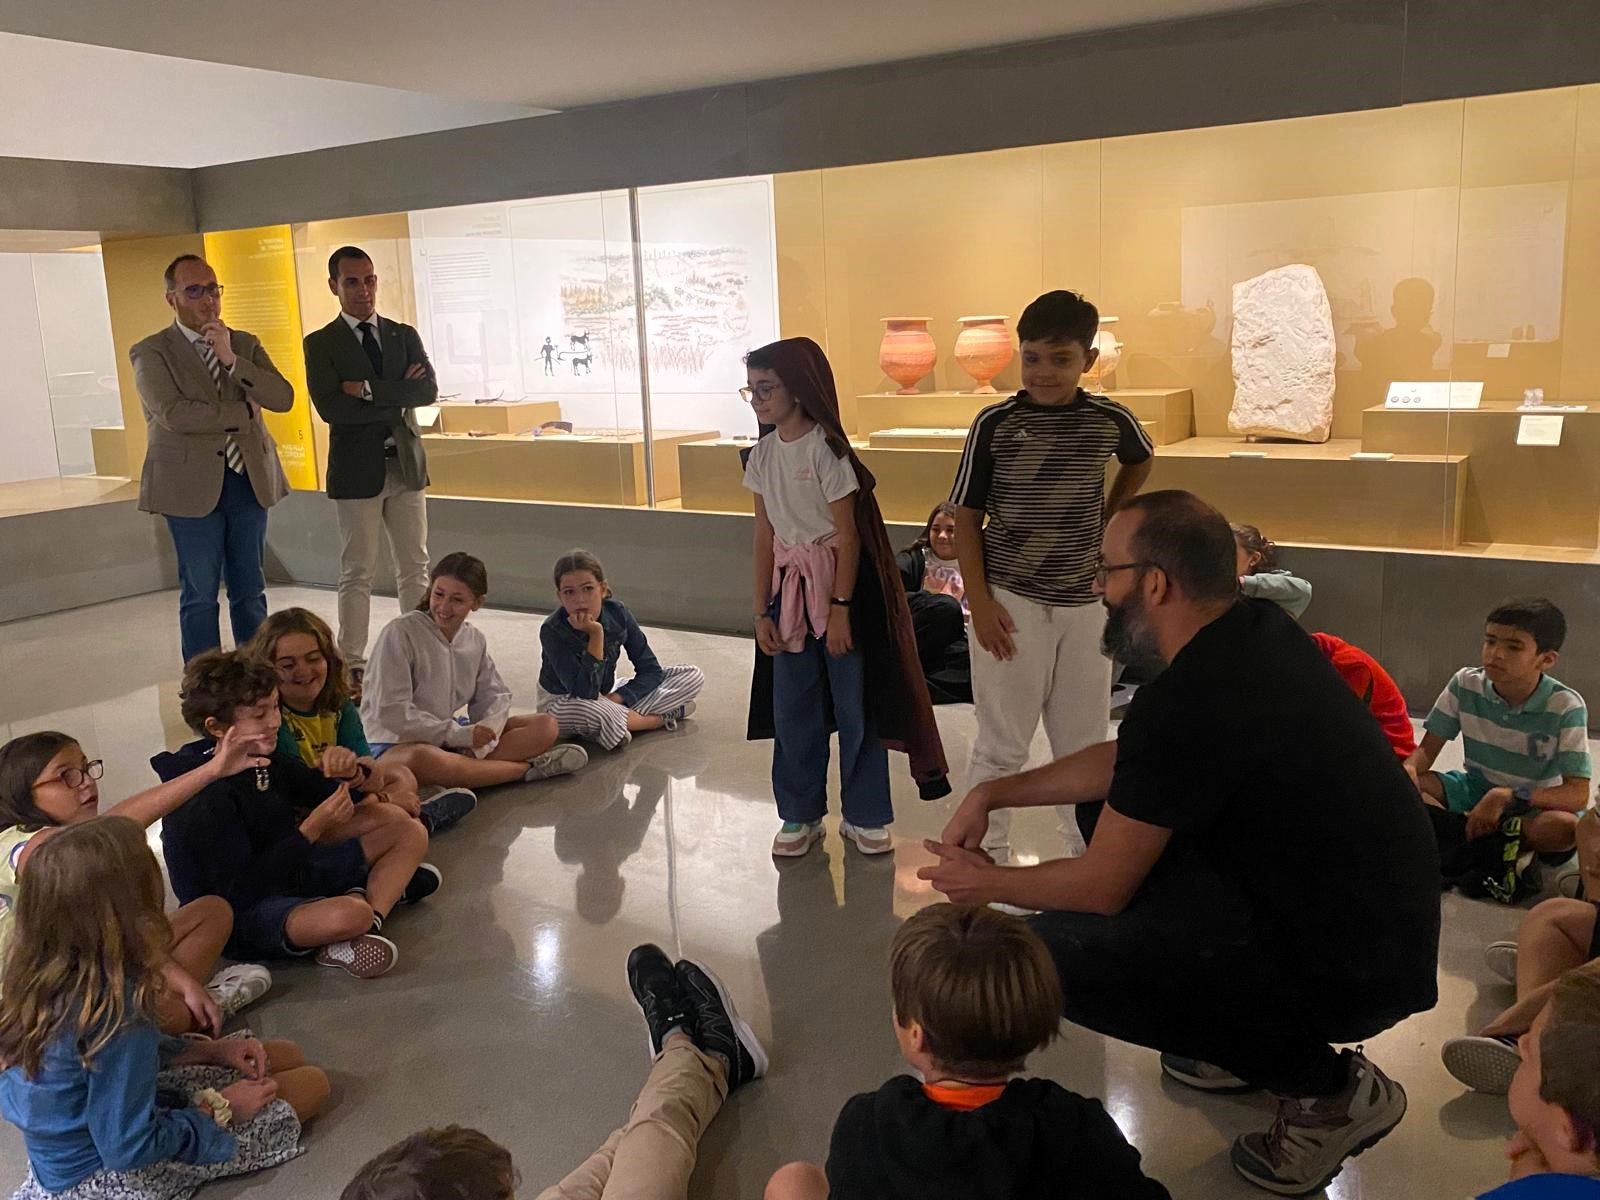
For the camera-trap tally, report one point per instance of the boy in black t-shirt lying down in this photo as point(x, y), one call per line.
point(975, 992)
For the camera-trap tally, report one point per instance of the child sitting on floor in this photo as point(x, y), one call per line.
point(1555, 1098)
point(1376, 687)
point(322, 725)
point(1261, 577)
point(47, 783)
point(1524, 732)
point(430, 664)
point(306, 868)
point(110, 1109)
point(975, 992)
point(580, 644)
point(701, 1050)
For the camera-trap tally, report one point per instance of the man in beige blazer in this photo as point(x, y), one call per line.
point(210, 468)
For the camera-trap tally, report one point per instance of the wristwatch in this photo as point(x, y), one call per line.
point(839, 603)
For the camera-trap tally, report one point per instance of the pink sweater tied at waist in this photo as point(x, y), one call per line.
point(802, 579)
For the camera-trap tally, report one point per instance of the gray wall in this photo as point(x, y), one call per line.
point(1421, 615)
point(70, 557)
point(1314, 57)
point(39, 193)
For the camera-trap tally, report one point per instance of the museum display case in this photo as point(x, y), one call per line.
point(1378, 329)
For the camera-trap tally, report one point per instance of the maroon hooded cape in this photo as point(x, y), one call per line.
point(896, 694)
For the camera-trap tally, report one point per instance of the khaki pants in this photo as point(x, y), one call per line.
point(1058, 675)
point(401, 514)
point(653, 1155)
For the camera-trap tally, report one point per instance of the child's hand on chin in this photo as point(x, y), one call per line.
point(1526, 1157)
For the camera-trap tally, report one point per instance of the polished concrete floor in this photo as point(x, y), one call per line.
point(509, 1010)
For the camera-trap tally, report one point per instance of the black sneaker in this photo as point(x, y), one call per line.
point(425, 881)
point(445, 808)
point(722, 1031)
point(655, 986)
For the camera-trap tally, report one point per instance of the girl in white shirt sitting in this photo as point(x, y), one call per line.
point(429, 664)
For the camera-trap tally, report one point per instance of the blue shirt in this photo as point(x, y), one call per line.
point(1547, 1186)
point(76, 1120)
point(567, 669)
point(1535, 745)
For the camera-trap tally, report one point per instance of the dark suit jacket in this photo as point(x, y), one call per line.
point(187, 423)
point(356, 427)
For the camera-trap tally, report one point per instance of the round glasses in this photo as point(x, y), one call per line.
point(760, 392)
point(76, 777)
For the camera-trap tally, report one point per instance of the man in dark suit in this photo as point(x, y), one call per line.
point(210, 468)
point(366, 374)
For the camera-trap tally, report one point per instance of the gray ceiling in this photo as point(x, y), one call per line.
point(558, 55)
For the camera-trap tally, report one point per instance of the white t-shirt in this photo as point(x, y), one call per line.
point(797, 481)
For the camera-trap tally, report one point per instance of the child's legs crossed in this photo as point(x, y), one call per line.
point(524, 738)
point(679, 685)
point(312, 924)
point(438, 767)
point(800, 744)
point(200, 929)
point(602, 721)
point(1549, 831)
point(392, 850)
point(306, 1088)
point(863, 761)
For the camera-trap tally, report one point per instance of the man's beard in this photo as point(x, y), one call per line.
point(1129, 639)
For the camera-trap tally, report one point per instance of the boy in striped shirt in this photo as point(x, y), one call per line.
point(1524, 732)
point(1032, 504)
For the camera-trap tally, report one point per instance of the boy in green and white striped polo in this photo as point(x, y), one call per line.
point(1525, 733)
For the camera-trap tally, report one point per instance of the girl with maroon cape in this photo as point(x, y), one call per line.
point(835, 642)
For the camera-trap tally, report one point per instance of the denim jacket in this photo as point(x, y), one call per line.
point(567, 669)
point(76, 1119)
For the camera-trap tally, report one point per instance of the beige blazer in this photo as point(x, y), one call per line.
point(188, 424)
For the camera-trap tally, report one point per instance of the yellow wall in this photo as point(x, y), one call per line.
point(257, 268)
point(987, 232)
point(136, 297)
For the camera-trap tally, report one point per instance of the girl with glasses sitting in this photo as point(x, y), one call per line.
point(47, 783)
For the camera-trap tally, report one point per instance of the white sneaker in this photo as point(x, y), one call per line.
point(671, 720)
point(1484, 1064)
point(795, 838)
point(1201, 1075)
point(239, 986)
point(1501, 958)
point(868, 839)
point(562, 759)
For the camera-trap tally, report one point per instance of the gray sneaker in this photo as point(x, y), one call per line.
point(561, 759)
point(235, 987)
point(1202, 1076)
point(1484, 1064)
point(1313, 1135)
point(683, 713)
point(1501, 958)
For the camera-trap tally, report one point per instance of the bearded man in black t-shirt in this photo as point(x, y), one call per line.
point(1259, 882)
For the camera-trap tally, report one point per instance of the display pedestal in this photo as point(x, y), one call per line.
point(110, 444)
point(711, 478)
point(1538, 495)
point(588, 467)
point(1319, 494)
point(1166, 413)
point(520, 416)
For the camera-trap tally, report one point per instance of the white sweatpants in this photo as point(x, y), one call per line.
point(1058, 675)
point(606, 722)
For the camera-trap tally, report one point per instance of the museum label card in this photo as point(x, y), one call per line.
point(1433, 395)
point(1539, 429)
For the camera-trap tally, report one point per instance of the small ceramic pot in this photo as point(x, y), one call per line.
point(983, 348)
point(1110, 349)
point(907, 351)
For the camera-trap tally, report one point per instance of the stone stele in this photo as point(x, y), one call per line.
point(1283, 356)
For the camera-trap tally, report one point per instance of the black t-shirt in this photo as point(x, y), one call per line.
point(1253, 750)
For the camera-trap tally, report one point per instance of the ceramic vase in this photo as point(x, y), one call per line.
point(1110, 349)
point(907, 352)
point(983, 348)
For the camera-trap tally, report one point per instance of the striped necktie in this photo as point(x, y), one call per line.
point(230, 448)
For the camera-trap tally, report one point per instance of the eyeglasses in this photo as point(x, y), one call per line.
point(76, 777)
point(1105, 570)
point(195, 290)
point(762, 391)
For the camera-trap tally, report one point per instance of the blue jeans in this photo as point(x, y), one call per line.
point(227, 543)
point(800, 754)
